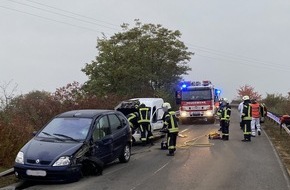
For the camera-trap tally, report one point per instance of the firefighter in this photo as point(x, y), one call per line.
point(240, 109)
point(219, 111)
point(170, 123)
point(144, 124)
point(225, 119)
point(133, 120)
point(255, 123)
point(263, 111)
point(246, 119)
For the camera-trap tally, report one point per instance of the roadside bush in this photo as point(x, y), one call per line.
point(28, 113)
point(277, 104)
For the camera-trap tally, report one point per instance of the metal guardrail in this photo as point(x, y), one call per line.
point(277, 120)
point(273, 117)
point(7, 172)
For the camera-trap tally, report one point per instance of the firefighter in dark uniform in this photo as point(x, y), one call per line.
point(133, 121)
point(263, 111)
point(170, 123)
point(219, 111)
point(144, 124)
point(246, 119)
point(225, 119)
point(133, 117)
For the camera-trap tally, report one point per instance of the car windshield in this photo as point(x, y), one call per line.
point(73, 129)
point(189, 95)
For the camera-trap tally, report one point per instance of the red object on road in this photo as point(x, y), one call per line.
point(285, 119)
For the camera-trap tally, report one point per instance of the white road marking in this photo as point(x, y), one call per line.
point(151, 175)
point(183, 131)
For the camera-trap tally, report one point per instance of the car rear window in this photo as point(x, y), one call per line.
point(115, 122)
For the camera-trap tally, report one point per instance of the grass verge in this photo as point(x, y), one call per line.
point(7, 180)
point(280, 140)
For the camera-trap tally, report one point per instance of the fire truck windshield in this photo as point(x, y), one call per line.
point(193, 95)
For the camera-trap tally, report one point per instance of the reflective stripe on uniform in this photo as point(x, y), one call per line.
point(172, 128)
point(248, 116)
point(225, 115)
point(144, 116)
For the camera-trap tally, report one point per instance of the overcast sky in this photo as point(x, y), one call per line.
point(44, 44)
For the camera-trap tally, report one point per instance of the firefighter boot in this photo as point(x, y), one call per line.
point(171, 153)
point(245, 138)
point(151, 142)
point(144, 143)
point(223, 137)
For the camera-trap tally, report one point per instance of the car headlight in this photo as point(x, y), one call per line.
point(19, 158)
point(183, 113)
point(62, 161)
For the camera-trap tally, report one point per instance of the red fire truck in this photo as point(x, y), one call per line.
point(197, 100)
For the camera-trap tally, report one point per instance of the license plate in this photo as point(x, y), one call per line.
point(36, 172)
point(196, 113)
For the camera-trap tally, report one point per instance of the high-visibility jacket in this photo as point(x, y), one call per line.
point(255, 110)
point(133, 119)
point(219, 112)
point(170, 122)
point(144, 115)
point(247, 112)
point(226, 113)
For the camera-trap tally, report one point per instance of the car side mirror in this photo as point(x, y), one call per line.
point(93, 141)
point(34, 133)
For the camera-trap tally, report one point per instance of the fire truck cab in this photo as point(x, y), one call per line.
point(197, 100)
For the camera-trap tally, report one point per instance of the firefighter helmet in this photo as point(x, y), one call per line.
point(226, 100)
point(137, 103)
point(142, 105)
point(246, 98)
point(166, 105)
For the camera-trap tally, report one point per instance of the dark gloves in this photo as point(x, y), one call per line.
point(164, 130)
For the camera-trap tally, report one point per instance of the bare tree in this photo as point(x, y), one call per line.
point(7, 92)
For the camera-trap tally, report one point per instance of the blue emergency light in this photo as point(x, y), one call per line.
point(185, 84)
point(217, 91)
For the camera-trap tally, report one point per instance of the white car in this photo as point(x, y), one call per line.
point(156, 115)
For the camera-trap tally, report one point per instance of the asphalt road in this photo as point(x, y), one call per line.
point(199, 164)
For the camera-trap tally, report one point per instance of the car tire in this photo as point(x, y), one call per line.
point(126, 154)
point(92, 166)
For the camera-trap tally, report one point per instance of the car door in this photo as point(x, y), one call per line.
point(119, 134)
point(103, 140)
point(156, 119)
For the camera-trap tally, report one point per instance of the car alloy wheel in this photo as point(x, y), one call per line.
point(126, 154)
